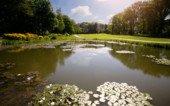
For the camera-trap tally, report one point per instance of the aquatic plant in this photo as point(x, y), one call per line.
point(121, 94)
point(162, 61)
point(19, 89)
point(110, 93)
point(62, 95)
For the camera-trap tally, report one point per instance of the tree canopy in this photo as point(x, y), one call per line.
point(147, 17)
point(33, 16)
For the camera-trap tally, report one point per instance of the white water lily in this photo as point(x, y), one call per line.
point(96, 102)
point(51, 92)
point(93, 104)
point(115, 94)
point(52, 103)
point(109, 103)
point(43, 98)
point(28, 78)
point(102, 100)
point(18, 74)
point(41, 101)
point(96, 95)
point(90, 92)
point(120, 94)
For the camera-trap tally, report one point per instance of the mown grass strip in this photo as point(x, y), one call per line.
point(150, 44)
point(123, 37)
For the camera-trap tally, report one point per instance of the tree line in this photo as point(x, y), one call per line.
point(92, 27)
point(37, 16)
point(147, 17)
point(33, 16)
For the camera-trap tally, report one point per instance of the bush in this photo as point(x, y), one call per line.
point(53, 36)
point(66, 34)
point(46, 37)
point(19, 36)
point(15, 36)
point(40, 37)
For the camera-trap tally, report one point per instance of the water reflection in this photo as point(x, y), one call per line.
point(42, 60)
point(88, 64)
point(137, 61)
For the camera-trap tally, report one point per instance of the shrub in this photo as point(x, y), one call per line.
point(46, 37)
point(19, 36)
point(40, 37)
point(15, 36)
point(66, 34)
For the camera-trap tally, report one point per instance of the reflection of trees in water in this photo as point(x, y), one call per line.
point(43, 60)
point(137, 61)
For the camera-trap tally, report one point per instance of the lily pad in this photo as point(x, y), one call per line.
point(63, 95)
point(122, 94)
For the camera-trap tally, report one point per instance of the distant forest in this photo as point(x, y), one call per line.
point(38, 16)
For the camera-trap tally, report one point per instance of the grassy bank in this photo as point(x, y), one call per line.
point(139, 40)
point(47, 39)
point(122, 37)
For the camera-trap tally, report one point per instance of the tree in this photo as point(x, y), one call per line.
point(163, 10)
point(44, 16)
point(69, 25)
point(13, 15)
point(61, 25)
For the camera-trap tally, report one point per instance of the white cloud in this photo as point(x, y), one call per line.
point(100, 21)
point(109, 16)
point(81, 11)
point(95, 17)
point(101, 0)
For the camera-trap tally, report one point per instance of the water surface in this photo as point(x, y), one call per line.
point(89, 64)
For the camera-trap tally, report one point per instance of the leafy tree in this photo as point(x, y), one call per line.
point(13, 15)
point(69, 25)
point(163, 10)
point(61, 25)
point(44, 16)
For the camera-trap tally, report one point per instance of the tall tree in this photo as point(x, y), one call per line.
point(44, 16)
point(69, 25)
point(61, 25)
point(163, 10)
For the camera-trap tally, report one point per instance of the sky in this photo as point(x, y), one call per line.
point(91, 10)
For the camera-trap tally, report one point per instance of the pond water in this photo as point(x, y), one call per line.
point(89, 64)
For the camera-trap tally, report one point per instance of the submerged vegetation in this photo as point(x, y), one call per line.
point(19, 89)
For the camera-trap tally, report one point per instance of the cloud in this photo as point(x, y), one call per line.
point(100, 0)
point(81, 11)
point(100, 21)
point(95, 17)
point(109, 16)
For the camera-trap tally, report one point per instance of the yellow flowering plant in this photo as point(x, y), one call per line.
point(19, 36)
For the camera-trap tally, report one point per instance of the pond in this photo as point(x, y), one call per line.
point(89, 64)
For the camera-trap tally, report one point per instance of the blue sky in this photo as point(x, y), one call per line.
point(91, 10)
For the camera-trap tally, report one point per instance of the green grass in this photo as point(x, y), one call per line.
point(17, 42)
point(122, 37)
point(153, 42)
